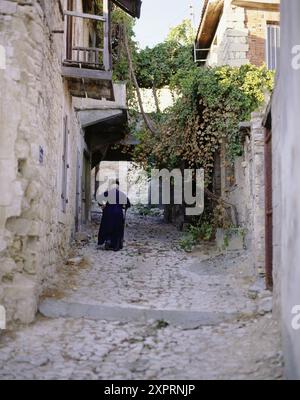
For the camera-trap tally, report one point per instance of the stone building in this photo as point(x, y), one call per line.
point(242, 185)
point(51, 52)
point(237, 32)
point(283, 126)
point(234, 33)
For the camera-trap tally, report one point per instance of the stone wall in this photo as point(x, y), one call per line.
point(258, 191)
point(240, 37)
point(256, 22)
point(230, 45)
point(247, 191)
point(286, 186)
point(34, 232)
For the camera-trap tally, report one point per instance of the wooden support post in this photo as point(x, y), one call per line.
point(69, 32)
point(87, 16)
point(106, 49)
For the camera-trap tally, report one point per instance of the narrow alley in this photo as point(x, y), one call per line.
point(149, 190)
point(151, 311)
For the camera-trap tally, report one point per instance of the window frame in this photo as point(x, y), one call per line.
point(272, 65)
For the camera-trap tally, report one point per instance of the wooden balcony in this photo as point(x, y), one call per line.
point(88, 68)
point(86, 74)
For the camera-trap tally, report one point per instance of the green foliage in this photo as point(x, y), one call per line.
point(187, 242)
point(147, 211)
point(157, 66)
point(230, 232)
point(121, 23)
point(202, 231)
point(183, 33)
point(211, 103)
point(205, 231)
point(154, 67)
point(161, 324)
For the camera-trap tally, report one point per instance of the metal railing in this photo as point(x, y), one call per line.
point(196, 52)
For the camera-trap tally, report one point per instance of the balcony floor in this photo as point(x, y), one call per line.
point(89, 82)
point(83, 65)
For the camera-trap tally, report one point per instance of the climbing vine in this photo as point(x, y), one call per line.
point(211, 103)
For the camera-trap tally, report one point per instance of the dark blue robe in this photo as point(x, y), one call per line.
point(112, 225)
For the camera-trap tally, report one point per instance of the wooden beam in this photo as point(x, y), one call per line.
point(132, 7)
point(93, 89)
point(106, 33)
point(61, 10)
point(209, 24)
point(84, 73)
point(83, 15)
point(69, 27)
point(266, 5)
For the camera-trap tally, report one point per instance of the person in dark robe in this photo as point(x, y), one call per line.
point(111, 232)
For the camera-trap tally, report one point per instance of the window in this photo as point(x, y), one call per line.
point(64, 180)
point(273, 46)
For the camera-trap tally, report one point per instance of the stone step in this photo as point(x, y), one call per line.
point(182, 318)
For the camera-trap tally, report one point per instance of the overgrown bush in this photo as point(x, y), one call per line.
point(147, 211)
point(196, 233)
point(211, 103)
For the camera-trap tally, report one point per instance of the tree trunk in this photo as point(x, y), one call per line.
point(135, 82)
point(154, 90)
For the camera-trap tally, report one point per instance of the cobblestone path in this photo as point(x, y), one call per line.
point(150, 311)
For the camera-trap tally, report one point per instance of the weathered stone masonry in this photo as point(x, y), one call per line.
point(256, 22)
point(241, 36)
point(247, 191)
point(230, 45)
point(34, 232)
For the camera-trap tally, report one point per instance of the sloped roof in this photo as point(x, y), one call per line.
point(211, 14)
point(266, 5)
point(132, 7)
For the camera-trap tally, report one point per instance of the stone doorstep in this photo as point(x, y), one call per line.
point(185, 319)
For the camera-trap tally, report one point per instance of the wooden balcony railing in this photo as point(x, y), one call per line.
point(87, 56)
point(86, 67)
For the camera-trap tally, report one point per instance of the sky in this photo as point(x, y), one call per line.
point(158, 16)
